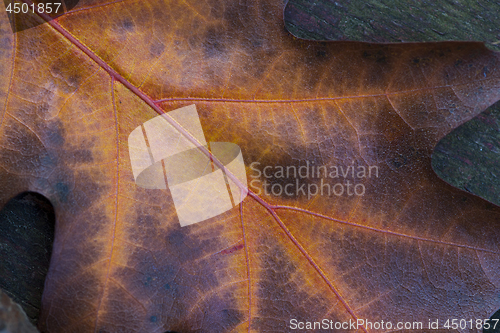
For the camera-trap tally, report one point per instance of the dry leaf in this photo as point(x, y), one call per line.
point(412, 248)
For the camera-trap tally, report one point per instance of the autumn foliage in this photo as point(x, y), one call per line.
point(411, 248)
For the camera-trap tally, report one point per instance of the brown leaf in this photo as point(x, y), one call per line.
point(412, 248)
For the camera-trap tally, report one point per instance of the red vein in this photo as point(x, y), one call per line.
point(313, 263)
point(116, 76)
point(116, 206)
point(235, 100)
point(154, 105)
point(305, 100)
point(382, 230)
point(304, 252)
point(248, 267)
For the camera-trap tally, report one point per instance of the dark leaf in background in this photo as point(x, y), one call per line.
point(26, 237)
point(469, 157)
point(494, 323)
point(388, 21)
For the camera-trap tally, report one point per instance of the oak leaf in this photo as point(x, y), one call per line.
point(411, 248)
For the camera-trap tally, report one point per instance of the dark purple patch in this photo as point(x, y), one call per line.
point(233, 249)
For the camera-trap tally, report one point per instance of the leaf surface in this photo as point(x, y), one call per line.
point(411, 248)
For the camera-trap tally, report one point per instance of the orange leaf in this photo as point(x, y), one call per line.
point(410, 248)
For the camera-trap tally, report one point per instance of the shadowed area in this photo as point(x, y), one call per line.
point(494, 324)
point(26, 236)
point(388, 21)
point(23, 16)
point(469, 157)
